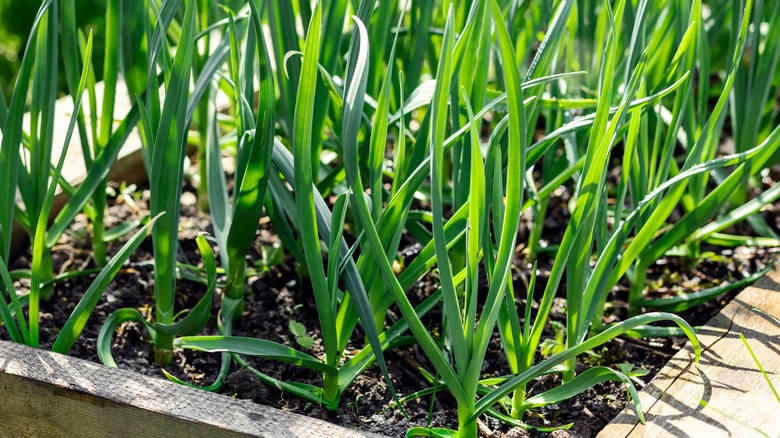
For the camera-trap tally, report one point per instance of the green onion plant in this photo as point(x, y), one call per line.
point(165, 135)
point(444, 126)
point(97, 133)
point(467, 353)
point(26, 330)
point(313, 219)
point(27, 155)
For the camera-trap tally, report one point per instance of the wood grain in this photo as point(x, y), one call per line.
point(725, 395)
point(45, 394)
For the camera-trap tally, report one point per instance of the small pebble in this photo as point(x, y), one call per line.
point(517, 432)
point(188, 198)
point(560, 433)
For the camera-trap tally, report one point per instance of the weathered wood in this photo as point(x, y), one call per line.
point(48, 394)
point(725, 394)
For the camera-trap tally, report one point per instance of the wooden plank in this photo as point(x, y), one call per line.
point(48, 394)
point(726, 394)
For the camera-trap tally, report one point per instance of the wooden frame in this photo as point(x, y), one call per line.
point(726, 394)
point(48, 394)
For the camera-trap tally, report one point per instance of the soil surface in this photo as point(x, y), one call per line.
point(278, 294)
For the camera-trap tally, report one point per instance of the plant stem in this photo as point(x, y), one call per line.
point(518, 402)
point(330, 387)
point(203, 192)
point(47, 273)
point(375, 297)
point(201, 55)
point(98, 225)
point(163, 349)
point(466, 428)
point(637, 287)
point(236, 286)
point(540, 212)
point(110, 78)
point(569, 373)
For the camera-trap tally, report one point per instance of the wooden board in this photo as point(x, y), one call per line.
point(725, 394)
point(48, 394)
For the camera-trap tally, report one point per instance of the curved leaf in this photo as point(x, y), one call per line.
point(197, 318)
point(113, 322)
point(253, 347)
point(589, 344)
point(78, 318)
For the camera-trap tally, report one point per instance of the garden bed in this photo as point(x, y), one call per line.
point(48, 394)
point(346, 228)
point(279, 295)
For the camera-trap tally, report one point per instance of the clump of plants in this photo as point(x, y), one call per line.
point(356, 127)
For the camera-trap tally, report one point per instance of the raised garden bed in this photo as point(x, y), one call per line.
point(80, 383)
point(48, 394)
point(508, 264)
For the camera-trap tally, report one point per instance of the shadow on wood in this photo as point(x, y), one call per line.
point(725, 394)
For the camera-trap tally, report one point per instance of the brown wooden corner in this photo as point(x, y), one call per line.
point(725, 395)
point(48, 394)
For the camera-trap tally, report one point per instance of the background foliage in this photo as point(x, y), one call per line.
point(16, 19)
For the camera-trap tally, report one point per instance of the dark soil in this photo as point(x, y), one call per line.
point(279, 295)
